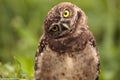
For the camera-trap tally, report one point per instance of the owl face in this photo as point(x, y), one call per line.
point(61, 20)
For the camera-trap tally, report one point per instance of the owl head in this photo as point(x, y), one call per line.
point(63, 20)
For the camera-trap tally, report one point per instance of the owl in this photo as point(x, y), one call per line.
point(67, 49)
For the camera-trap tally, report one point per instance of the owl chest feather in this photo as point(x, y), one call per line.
point(81, 65)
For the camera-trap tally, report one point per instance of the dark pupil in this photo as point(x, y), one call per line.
point(65, 13)
point(55, 28)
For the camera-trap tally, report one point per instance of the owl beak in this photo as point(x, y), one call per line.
point(65, 26)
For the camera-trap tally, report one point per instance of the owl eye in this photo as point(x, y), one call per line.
point(66, 14)
point(54, 28)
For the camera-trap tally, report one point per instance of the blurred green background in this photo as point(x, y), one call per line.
point(21, 27)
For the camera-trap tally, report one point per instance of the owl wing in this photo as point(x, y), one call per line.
point(92, 42)
point(40, 49)
point(85, 37)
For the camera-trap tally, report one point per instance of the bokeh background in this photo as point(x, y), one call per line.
point(21, 27)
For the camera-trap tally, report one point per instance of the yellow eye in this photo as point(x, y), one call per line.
point(66, 14)
point(54, 29)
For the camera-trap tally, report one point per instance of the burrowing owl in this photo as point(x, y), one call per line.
point(67, 49)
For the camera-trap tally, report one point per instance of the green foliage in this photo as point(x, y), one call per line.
point(21, 24)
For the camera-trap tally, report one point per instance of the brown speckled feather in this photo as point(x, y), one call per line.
point(67, 54)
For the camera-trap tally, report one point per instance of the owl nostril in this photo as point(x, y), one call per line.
point(71, 31)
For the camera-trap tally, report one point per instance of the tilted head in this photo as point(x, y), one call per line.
point(63, 20)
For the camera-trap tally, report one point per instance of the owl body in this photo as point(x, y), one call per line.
point(67, 49)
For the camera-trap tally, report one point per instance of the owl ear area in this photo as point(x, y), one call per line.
point(81, 16)
point(66, 13)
